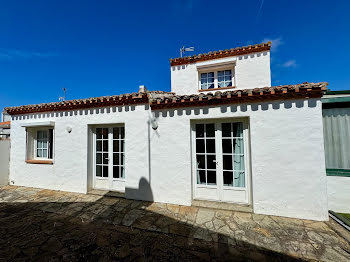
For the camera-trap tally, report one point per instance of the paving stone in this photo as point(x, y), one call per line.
point(188, 213)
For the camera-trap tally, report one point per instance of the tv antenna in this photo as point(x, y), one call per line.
point(62, 98)
point(186, 49)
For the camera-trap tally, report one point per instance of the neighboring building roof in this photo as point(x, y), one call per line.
point(221, 54)
point(6, 124)
point(103, 101)
point(304, 90)
point(160, 99)
point(336, 99)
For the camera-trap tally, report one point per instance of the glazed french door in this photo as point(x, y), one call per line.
point(220, 161)
point(109, 158)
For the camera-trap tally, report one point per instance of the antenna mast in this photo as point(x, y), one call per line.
point(62, 98)
point(186, 49)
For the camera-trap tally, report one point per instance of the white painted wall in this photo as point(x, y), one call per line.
point(251, 71)
point(288, 169)
point(287, 156)
point(338, 194)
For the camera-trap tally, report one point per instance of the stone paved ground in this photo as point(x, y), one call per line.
point(47, 225)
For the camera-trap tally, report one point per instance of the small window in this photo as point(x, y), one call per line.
point(216, 79)
point(39, 143)
point(224, 78)
point(207, 80)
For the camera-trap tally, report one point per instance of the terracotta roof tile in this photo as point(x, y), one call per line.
point(221, 54)
point(304, 90)
point(5, 123)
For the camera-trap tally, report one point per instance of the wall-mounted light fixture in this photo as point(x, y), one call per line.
point(154, 124)
point(69, 129)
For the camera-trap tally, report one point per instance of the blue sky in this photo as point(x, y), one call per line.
point(96, 48)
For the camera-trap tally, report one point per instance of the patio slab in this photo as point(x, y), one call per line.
point(55, 219)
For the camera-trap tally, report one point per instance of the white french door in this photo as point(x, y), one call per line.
point(221, 161)
point(109, 158)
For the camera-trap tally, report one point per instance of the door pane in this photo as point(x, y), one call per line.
point(210, 146)
point(105, 158)
point(116, 171)
point(200, 148)
point(99, 171)
point(211, 164)
point(201, 161)
point(201, 177)
point(98, 158)
point(105, 171)
point(99, 146)
point(210, 130)
point(211, 177)
point(233, 154)
point(199, 130)
point(116, 145)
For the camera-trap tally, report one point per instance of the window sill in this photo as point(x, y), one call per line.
point(44, 162)
point(215, 89)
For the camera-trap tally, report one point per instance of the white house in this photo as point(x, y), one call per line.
point(223, 134)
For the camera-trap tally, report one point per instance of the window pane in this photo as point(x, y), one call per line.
point(105, 133)
point(227, 162)
point(200, 146)
point(99, 133)
point(220, 74)
point(122, 172)
point(40, 144)
point(210, 130)
point(105, 171)
point(44, 134)
point(211, 74)
point(50, 143)
point(105, 158)
point(122, 145)
point(39, 135)
point(45, 153)
point(211, 86)
point(105, 145)
point(210, 145)
point(122, 132)
point(98, 145)
point(116, 172)
point(226, 145)
point(227, 78)
point(201, 177)
point(239, 179)
point(122, 158)
point(116, 146)
point(199, 130)
point(211, 176)
point(45, 144)
point(115, 159)
point(238, 163)
point(237, 129)
point(238, 146)
point(201, 161)
point(98, 158)
point(116, 133)
point(99, 171)
point(228, 178)
point(204, 76)
point(211, 164)
point(226, 129)
point(228, 83)
point(39, 153)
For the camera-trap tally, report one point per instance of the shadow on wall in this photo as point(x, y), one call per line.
point(112, 228)
point(143, 192)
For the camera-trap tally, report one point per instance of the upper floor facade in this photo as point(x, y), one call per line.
point(228, 70)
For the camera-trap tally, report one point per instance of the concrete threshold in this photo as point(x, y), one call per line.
point(222, 205)
point(108, 193)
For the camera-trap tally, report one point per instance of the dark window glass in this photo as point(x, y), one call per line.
point(201, 161)
point(211, 176)
point(105, 145)
point(228, 178)
point(122, 175)
point(122, 132)
point(201, 177)
point(116, 146)
point(105, 158)
point(122, 146)
point(99, 171)
point(105, 171)
point(98, 158)
point(226, 130)
point(210, 130)
point(200, 146)
point(116, 133)
point(105, 133)
point(116, 172)
point(227, 162)
point(99, 146)
point(210, 145)
point(115, 158)
point(211, 164)
point(50, 143)
point(99, 133)
point(199, 130)
point(226, 146)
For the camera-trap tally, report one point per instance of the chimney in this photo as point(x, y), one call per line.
point(142, 89)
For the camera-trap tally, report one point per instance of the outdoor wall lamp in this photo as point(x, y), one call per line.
point(69, 129)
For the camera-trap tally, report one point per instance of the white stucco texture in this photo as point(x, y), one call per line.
point(338, 194)
point(250, 71)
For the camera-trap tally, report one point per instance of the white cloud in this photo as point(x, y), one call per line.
point(275, 43)
point(9, 54)
point(289, 63)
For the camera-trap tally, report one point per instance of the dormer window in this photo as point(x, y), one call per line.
point(218, 78)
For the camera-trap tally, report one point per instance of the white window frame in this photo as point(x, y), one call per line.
point(35, 141)
point(216, 82)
